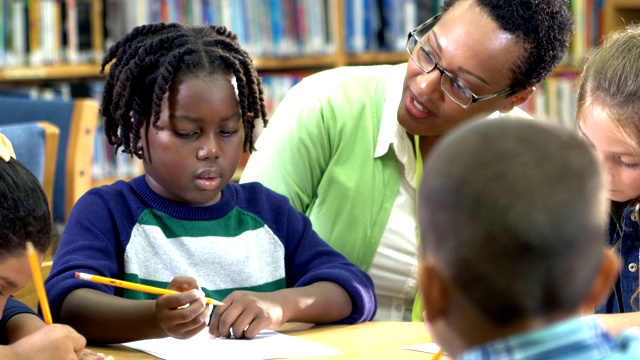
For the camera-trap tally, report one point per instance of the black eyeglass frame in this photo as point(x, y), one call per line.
point(436, 65)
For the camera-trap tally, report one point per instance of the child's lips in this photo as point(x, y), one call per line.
point(208, 179)
point(208, 183)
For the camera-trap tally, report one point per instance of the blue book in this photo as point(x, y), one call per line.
point(277, 25)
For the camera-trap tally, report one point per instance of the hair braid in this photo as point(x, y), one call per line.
point(146, 61)
point(254, 92)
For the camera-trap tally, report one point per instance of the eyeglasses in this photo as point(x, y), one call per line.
point(451, 86)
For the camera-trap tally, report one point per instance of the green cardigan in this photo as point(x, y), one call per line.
point(318, 150)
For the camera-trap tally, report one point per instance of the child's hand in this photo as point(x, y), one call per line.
point(90, 355)
point(52, 342)
point(182, 315)
point(246, 313)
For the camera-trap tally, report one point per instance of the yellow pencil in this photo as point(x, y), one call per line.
point(438, 355)
point(134, 286)
point(34, 263)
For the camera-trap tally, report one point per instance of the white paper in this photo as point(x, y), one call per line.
point(431, 348)
point(268, 344)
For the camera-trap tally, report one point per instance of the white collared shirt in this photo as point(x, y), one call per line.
point(394, 267)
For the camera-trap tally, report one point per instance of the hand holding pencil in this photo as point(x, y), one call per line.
point(134, 286)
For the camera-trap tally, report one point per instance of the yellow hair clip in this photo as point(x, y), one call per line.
point(6, 149)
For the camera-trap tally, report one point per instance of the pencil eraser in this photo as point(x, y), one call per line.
point(83, 276)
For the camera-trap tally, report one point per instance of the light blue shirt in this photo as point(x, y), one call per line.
point(577, 338)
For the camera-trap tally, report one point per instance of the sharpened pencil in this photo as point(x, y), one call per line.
point(134, 286)
point(38, 282)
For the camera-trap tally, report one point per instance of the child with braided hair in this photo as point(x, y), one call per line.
point(184, 100)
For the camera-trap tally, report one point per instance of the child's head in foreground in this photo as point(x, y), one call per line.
point(609, 110)
point(512, 216)
point(183, 99)
point(24, 216)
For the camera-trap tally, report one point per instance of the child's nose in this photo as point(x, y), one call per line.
point(209, 149)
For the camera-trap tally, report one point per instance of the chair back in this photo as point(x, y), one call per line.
point(28, 294)
point(36, 147)
point(77, 120)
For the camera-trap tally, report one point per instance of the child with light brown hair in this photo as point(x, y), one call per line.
point(608, 118)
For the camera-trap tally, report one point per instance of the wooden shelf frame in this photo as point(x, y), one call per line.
point(66, 72)
point(619, 13)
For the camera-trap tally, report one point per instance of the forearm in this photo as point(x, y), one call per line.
point(106, 318)
point(617, 323)
point(321, 302)
point(22, 325)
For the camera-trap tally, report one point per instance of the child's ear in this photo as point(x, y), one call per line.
point(605, 279)
point(433, 287)
point(517, 99)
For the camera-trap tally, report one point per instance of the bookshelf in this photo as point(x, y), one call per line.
point(556, 98)
point(620, 12)
point(338, 56)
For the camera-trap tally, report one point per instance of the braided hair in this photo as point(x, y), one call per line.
point(151, 56)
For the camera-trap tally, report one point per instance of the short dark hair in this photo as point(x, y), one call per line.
point(24, 210)
point(145, 62)
point(516, 211)
point(543, 26)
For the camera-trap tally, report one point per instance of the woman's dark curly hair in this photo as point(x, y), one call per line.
point(24, 211)
point(151, 56)
point(543, 26)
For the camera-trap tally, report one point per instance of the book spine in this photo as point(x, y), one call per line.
point(35, 50)
point(4, 22)
point(97, 30)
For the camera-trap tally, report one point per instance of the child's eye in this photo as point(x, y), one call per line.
point(185, 134)
point(226, 133)
point(629, 164)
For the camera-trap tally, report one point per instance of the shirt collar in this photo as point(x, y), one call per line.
point(583, 337)
point(389, 122)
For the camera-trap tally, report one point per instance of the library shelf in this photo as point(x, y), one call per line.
point(49, 72)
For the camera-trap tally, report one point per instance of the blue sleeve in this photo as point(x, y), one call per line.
point(308, 259)
point(12, 308)
point(93, 242)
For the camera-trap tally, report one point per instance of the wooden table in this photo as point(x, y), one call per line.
point(371, 340)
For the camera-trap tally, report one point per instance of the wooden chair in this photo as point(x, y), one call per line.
point(77, 121)
point(36, 147)
point(28, 294)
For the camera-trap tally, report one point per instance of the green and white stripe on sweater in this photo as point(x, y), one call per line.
point(236, 252)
